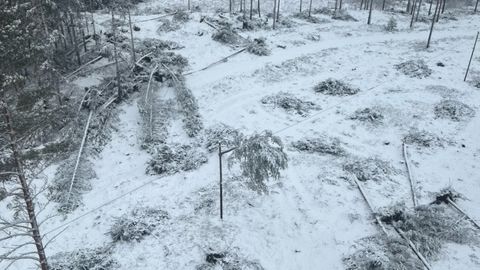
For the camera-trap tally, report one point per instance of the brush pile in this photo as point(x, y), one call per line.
point(453, 110)
point(422, 138)
point(289, 102)
point(335, 87)
point(414, 68)
point(82, 259)
point(369, 169)
point(372, 115)
point(321, 145)
point(137, 224)
point(168, 160)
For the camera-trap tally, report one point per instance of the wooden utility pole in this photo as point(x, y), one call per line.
point(26, 195)
point(220, 154)
point(433, 23)
point(370, 12)
point(471, 57)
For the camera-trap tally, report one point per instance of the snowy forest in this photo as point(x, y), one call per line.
point(239, 134)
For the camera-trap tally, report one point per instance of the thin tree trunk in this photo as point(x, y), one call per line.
point(274, 12)
point(336, 5)
point(26, 195)
point(476, 6)
point(418, 10)
point(75, 41)
point(301, 3)
point(310, 9)
point(117, 71)
point(361, 4)
point(383, 4)
point(410, 177)
point(443, 6)
point(189, 4)
point(259, 14)
point(230, 7)
point(413, 12)
point(94, 31)
point(433, 23)
point(439, 9)
point(84, 41)
point(340, 5)
point(430, 8)
point(370, 12)
point(278, 10)
point(86, 22)
point(471, 57)
point(251, 9)
point(408, 6)
point(134, 58)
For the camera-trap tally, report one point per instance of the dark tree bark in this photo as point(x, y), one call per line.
point(115, 55)
point(26, 195)
point(274, 13)
point(413, 12)
point(476, 6)
point(418, 9)
point(134, 58)
point(278, 10)
point(310, 9)
point(259, 14)
point(251, 9)
point(301, 3)
point(433, 23)
point(370, 12)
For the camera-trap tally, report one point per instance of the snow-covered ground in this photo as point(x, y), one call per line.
point(313, 216)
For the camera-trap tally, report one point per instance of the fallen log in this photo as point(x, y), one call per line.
point(452, 203)
point(410, 178)
point(225, 59)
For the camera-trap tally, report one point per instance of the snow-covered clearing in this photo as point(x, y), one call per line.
point(312, 218)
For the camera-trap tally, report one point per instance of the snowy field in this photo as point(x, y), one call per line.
point(314, 216)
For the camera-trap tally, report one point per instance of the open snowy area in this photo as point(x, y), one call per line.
point(343, 144)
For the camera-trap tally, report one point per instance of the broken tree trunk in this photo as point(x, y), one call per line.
point(471, 57)
point(131, 36)
point(77, 162)
point(463, 212)
point(26, 195)
point(410, 178)
point(413, 247)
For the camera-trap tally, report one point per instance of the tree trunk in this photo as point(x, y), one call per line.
point(278, 10)
point(301, 3)
point(430, 8)
point(433, 23)
point(443, 6)
point(310, 9)
point(75, 41)
point(370, 12)
point(413, 12)
point(115, 55)
point(340, 5)
point(383, 4)
point(251, 9)
point(336, 5)
point(30, 207)
point(418, 10)
point(439, 9)
point(134, 58)
point(230, 7)
point(274, 12)
point(408, 6)
point(476, 6)
point(361, 4)
point(259, 14)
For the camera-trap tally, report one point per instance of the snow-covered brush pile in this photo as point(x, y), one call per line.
point(258, 47)
point(335, 87)
point(289, 102)
point(369, 169)
point(192, 121)
point(414, 68)
point(422, 138)
point(371, 115)
point(168, 26)
point(175, 64)
point(323, 11)
point(84, 259)
point(152, 45)
point(226, 36)
point(310, 19)
point(343, 15)
point(380, 252)
point(321, 145)
point(101, 128)
point(182, 16)
point(168, 160)
point(228, 261)
point(261, 157)
point(155, 114)
point(429, 227)
point(253, 24)
point(453, 110)
point(59, 188)
point(136, 225)
point(225, 135)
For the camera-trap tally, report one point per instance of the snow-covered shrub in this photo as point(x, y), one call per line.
point(228, 261)
point(343, 15)
point(289, 102)
point(220, 133)
point(422, 138)
point(391, 25)
point(3, 194)
point(261, 156)
point(175, 62)
point(181, 16)
point(168, 26)
point(84, 259)
point(371, 115)
point(453, 110)
point(225, 36)
point(429, 227)
point(380, 252)
point(60, 186)
point(335, 87)
point(414, 68)
point(192, 121)
point(258, 47)
point(322, 145)
point(369, 169)
point(310, 19)
point(136, 225)
point(168, 160)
